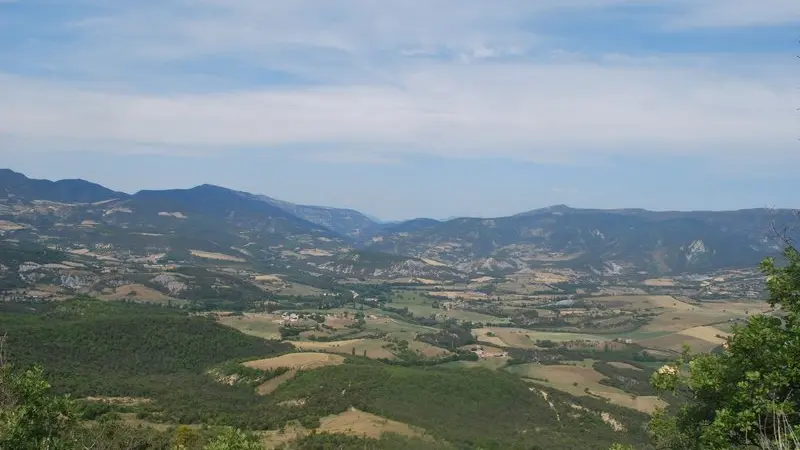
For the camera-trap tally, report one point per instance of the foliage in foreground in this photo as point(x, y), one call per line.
point(748, 395)
point(32, 418)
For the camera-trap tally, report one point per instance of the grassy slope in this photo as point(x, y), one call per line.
point(468, 408)
point(112, 349)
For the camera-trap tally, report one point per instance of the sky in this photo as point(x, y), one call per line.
point(403, 109)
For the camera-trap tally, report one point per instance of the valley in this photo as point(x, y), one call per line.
point(208, 306)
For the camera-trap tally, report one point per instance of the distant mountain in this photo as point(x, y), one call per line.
point(346, 222)
point(15, 185)
point(364, 264)
point(601, 240)
point(244, 210)
point(202, 225)
point(212, 223)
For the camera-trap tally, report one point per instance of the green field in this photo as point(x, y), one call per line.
point(421, 306)
point(254, 325)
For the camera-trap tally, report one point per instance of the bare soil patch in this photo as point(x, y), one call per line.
point(352, 422)
point(315, 252)
point(433, 262)
point(272, 385)
point(622, 365)
point(549, 277)
point(299, 361)
point(424, 281)
point(709, 334)
point(362, 423)
point(339, 323)
point(268, 278)
point(176, 215)
point(139, 292)
point(482, 280)
point(216, 256)
point(659, 282)
point(5, 225)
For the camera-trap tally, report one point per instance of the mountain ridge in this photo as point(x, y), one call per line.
point(67, 190)
point(216, 219)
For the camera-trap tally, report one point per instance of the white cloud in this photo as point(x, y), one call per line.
point(540, 112)
point(379, 87)
point(280, 32)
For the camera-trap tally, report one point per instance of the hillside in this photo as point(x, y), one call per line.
point(16, 186)
point(346, 222)
point(366, 264)
point(168, 366)
point(204, 225)
point(613, 241)
point(212, 225)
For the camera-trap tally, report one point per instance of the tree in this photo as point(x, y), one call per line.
point(233, 439)
point(747, 395)
point(30, 418)
point(186, 438)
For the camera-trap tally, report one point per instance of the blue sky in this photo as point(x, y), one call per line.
point(403, 109)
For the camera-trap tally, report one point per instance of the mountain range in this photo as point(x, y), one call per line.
point(242, 227)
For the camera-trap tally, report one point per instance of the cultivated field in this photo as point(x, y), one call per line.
point(522, 338)
point(140, 292)
point(371, 348)
point(265, 326)
point(315, 252)
point(362, 423)
point(660, 282)
point(273, 384)
point(699, 339)
point(5, 225)
point(575, 379)
point(215, 256)
point(389, 325)
point(422, 306)
point(626, 366)
point(268, 278)
point(293, 361)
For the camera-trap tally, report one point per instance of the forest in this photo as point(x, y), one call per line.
point(103, 349)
